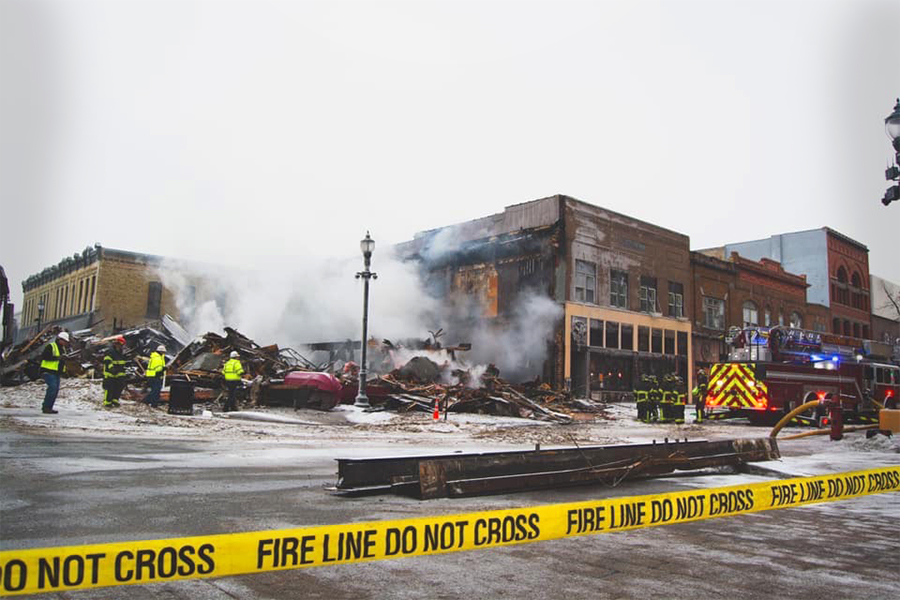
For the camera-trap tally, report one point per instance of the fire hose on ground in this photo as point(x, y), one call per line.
point(804, 407)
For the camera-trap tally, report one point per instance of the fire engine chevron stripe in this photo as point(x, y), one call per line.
point(127, 563)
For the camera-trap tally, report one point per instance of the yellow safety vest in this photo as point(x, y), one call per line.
point(52, 365)
point(232, 370)
point(156, 365)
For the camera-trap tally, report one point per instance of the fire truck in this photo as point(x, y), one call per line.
point(771, 371)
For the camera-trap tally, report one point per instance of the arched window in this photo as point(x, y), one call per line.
point(751, 314)
point(842, 275)
point(836, 325)
point(767, 318)
point(846, 327)
point(855, 280)
point(856, 330)
point(796, 320)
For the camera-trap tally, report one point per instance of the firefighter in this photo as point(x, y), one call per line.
point(655, 396)
point(51, 370)
point(667, 399)
point(154, 375)
point(642, 398)
point(680, 400)
point(114, 372)
point(699, 394)
point(232, 372)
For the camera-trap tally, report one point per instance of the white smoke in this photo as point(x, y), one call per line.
point(299, 302)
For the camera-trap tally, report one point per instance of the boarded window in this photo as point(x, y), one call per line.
point(154, 299)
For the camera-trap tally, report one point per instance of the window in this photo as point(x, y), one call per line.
point(796, 320)
point(856, 330)
point(154, 299)
point(682, 343)
point(627, 337)
point(93, 283)
point(656, 341)
point(585, 278)
point(643, 339)
point(836, 325)
point(751, 316)
point(713, 313)
point(612, 334)
point(676, 300)
point(596, 336)
point(767, 319)
point(618, 288)
point(865, 332)
point(647, 294)
point(670, 341)
point(846, 327)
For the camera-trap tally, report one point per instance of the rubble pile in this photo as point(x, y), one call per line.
point(84, 355)
point(417, 386)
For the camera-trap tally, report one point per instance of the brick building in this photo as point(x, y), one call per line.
point(623, 286)
point(836, 268)
point(102, 288)
point(740, 292)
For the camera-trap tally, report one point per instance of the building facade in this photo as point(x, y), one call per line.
point(100, 288)
point(739, 292)
point(836, 269)
point(885, 311)
point(622, 286)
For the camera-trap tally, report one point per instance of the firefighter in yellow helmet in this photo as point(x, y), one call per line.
point(232, 372)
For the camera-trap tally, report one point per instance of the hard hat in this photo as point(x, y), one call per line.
point(120, 339)
point(63, 335)
point(160, 348)
point(234, 354)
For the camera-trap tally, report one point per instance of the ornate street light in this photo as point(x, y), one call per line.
point(367, 245)
point(40, 313)
point(892, 173)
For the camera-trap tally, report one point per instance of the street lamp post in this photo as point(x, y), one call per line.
point(40, 314)
point(892, 173)
point(367, 245)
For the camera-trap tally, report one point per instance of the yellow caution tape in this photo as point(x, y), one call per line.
point(126, 563)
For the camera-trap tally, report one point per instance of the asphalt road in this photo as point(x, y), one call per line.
point(71, 490)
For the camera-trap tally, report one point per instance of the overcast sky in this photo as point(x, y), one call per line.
point(256, 132)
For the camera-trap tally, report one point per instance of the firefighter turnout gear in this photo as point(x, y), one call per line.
point(680, 400)
point(114, 373)
point(642, 399)
point(232, 372)
point(655, 396)
point(667, 401)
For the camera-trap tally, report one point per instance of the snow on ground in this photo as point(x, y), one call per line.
point(356, 432)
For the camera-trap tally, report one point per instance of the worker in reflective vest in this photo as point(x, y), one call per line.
point(232, 372)
point(114, 372)
point(642, 398)
point(154, 375)
point(51, 370)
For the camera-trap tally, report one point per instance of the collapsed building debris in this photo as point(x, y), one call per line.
point(454, 475)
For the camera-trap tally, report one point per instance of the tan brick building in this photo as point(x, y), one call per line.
point(103, 288)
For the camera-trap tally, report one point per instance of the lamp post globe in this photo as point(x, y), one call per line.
point(367, 246)
point(40, 308)
point(892, 124)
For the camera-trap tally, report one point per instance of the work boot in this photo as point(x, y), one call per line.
point(49, 411)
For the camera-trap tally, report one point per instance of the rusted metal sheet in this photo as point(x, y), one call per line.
point(437, 476)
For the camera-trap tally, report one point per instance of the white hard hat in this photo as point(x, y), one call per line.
point(64, 336)
point(160, 348)
point(234, 354)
